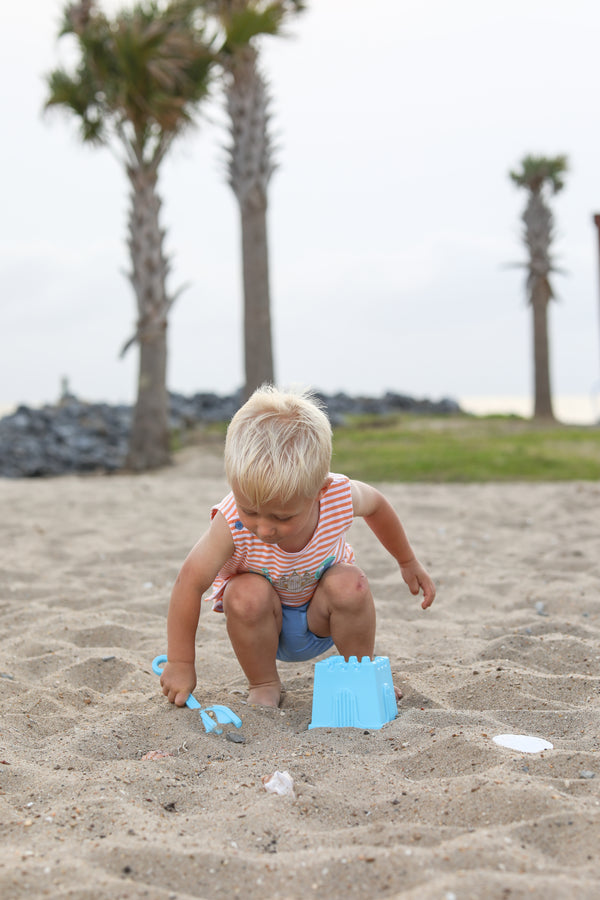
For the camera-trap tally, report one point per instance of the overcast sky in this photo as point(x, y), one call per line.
point(392, 218)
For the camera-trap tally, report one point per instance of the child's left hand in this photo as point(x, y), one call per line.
point(417, 579)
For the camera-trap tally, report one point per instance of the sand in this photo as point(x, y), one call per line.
point(426, 807)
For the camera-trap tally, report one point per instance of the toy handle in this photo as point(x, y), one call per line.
point(158, 664)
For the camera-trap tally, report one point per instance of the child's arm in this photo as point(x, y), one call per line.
point(197, 573)
point(382, 519)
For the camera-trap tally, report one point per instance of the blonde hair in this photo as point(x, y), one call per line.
point(278, 445)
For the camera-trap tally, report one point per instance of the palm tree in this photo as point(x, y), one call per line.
point(139, 79)
point(251, 160)
point(540, 175)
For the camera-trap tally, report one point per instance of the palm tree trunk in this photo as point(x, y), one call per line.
point(258, 353)
point(250, 169)
point(149, 438)
point(541, 354)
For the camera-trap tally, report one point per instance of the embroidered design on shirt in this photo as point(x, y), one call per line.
point(294, 582)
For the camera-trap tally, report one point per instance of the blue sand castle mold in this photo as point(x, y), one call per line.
point(353, 694)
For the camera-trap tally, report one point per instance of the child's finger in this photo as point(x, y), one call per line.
point(413, 585)
point(180, 699)
point(428, 596)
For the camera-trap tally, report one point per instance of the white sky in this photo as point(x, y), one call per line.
point(391, 221)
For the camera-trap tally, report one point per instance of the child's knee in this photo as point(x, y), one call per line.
point(248, 597)
point(347, 586)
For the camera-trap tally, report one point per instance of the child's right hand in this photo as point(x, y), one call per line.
point(178, 680)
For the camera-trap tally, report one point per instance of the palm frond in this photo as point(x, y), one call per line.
point(249, 23)
point(538, 171)
point(139, 75)
point(243, 20)
point(77, 95)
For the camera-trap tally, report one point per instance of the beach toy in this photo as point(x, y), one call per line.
point(523, 743)
point(353, 694)
point(222, 715)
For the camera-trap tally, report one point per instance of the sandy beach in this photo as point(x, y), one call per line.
point(108, 791)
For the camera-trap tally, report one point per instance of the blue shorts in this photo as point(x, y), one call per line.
point(296, 642)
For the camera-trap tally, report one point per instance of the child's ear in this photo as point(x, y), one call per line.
point(326, 484)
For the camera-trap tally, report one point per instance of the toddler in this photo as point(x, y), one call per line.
point(275, 555)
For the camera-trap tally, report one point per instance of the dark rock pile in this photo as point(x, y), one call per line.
point(339, 406)
point(74, 436)
point(70, 437)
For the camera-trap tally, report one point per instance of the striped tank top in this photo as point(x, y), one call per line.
point(293, 575)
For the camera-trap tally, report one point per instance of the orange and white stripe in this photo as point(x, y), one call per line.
point(293, 575)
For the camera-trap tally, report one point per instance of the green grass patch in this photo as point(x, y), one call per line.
point(413, 448)
point(407, 448)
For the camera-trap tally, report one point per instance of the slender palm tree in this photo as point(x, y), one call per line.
point(251, 160)
point(540, 175)
point(138, 81)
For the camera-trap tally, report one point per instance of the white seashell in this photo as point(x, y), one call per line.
point(523, 743)
point(279, 783)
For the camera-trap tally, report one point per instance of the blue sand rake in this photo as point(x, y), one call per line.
point(222, 715)
point(353, 694)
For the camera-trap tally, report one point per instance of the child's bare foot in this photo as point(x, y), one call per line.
point(398, 693)
point(268, 694)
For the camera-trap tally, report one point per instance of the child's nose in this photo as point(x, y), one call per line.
point(265, 530)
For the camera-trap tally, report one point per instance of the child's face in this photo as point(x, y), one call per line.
point(290, 524)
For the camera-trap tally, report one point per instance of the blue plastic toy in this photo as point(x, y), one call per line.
point(353, 694)
point(222, 714)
